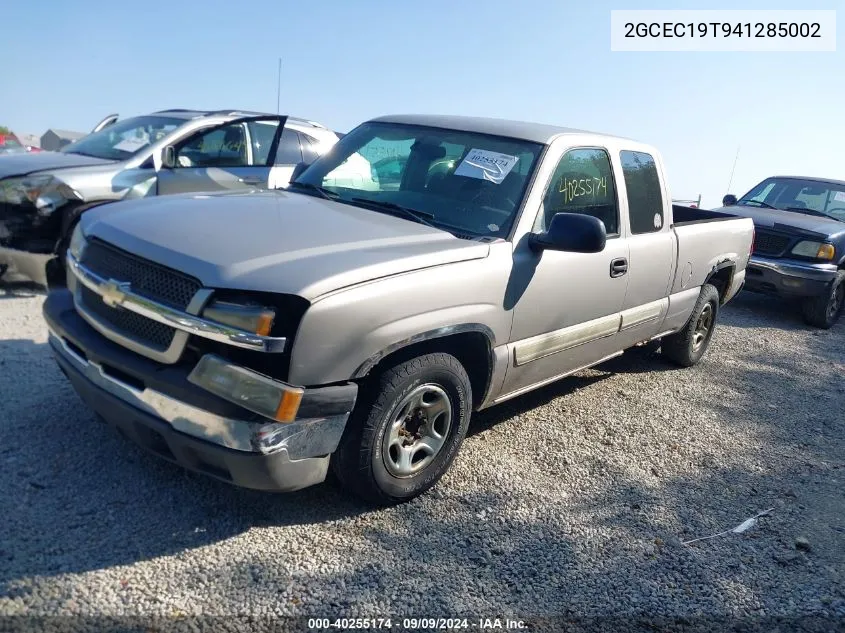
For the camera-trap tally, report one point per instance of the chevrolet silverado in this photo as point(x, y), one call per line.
point(264, 338)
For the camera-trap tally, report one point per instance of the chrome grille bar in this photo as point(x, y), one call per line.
point(118, 294)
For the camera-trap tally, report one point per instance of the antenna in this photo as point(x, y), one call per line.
point(279, 86)
point(730, 182)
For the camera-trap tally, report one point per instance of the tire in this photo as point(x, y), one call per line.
point(824, 311)
point(392, 451)
point(687, 346)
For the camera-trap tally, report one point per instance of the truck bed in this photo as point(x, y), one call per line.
point(706, 240)
point(684, 215)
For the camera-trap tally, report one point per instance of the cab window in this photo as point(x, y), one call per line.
point(261, 134)
point(224, 146)
point(582, 183)
point(645, 195)
point(288, 152)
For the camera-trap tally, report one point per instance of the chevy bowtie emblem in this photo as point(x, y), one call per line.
point(114, 292)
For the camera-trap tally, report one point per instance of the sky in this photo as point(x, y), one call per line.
point(68, 64)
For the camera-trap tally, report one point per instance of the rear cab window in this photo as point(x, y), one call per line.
point(645, 192)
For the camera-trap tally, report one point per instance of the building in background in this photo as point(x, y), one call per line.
point(29, 140)
point(53, 139)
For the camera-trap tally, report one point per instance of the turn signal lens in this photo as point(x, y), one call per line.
point(826, 251)
point(251, 390)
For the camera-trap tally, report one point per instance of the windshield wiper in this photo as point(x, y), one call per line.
point(760, 202)
point(320, 191)
point(412, 214)
point(807, 211)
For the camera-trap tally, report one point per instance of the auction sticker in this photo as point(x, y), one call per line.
point(131, 144)
point(486, 165)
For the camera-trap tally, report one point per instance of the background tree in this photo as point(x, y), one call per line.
point(5, 130)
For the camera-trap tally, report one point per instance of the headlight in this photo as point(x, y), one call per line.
point(817, 250)
point(42, 191)
point(250, 318)
point(77, 243)
point(251, 390)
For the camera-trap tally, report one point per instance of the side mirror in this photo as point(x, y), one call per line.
point(168, 157)
point(297, 171)
point(571, 232)
point(729, 200)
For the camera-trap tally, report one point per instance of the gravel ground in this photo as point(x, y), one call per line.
point(572, 500)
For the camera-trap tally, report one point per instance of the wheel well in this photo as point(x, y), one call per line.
point(721, 279)
point(472, 349)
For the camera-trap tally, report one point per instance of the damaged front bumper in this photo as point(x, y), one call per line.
point(159, 409)
point(17, 265)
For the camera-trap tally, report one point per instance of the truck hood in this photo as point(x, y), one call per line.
point(274, 241)
point(787, 220)
point(31, 162)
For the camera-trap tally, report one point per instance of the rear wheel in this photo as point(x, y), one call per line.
point(824, 311)
point(406, 429)
point(686, 347)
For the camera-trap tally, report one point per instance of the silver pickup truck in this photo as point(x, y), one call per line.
point(263, 338)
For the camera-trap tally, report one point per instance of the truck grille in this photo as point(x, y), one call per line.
point(768, 243)
point(147, 279)
point(150, 333)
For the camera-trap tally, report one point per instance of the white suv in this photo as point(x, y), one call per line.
point(43, 194)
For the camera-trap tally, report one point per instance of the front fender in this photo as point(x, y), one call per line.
point(343, 335)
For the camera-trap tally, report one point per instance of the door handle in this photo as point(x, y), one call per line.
point(250, 181)
point(618, 267)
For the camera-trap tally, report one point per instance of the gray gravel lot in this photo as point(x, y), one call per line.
point(572, 500)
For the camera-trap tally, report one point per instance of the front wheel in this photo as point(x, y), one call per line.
point(687, 346)
point(824, 311)
point(406, 429)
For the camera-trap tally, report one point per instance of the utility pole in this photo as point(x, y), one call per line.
point(279, 86)
point(730, 182)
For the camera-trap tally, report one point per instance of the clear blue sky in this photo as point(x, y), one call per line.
point(68, 64)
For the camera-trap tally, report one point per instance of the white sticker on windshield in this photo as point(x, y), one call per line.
point(840, 196)
point(131, 144)
point(486, 165)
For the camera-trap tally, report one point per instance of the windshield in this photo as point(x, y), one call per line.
point(810, 197)
point(463, 182)
point(124, 139)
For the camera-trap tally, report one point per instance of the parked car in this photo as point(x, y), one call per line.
point(172, 151)
point(799, 251)
point(10, 144)
point(264, 338)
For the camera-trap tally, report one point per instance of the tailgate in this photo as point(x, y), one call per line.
point(703, 246)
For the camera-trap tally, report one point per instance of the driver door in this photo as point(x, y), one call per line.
point(236, 155)
point(567, 305)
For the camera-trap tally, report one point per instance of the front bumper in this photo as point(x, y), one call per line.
point(156, 407)
point(25, 266)
point(788, 278)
